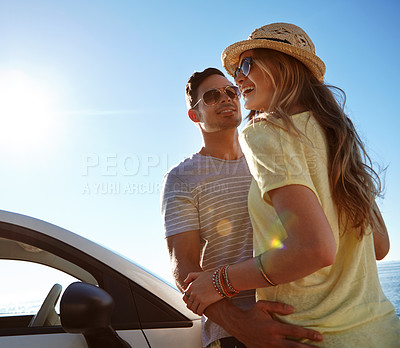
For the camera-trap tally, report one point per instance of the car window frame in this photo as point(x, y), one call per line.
point(133, 301)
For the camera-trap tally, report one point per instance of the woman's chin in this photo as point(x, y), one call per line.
point(248, 105)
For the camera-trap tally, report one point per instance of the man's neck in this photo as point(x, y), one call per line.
point(223, 144)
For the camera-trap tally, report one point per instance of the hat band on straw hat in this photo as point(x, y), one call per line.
point(272, 39)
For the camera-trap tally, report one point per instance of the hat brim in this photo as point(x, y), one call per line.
point(230, 55)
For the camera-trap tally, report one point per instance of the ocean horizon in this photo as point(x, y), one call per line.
point(389, 276)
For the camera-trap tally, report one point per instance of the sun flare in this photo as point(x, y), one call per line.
point(25, 111)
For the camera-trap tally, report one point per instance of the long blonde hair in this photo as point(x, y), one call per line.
point(354, 183)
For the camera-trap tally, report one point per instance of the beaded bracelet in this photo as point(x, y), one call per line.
point(261, 269)
point(215, 280)
point(221, 282)
point(228, 283)
point(224, 286)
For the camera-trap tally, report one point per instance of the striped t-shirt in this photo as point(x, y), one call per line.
point(209, 195)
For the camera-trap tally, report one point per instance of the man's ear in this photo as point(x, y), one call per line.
point(193, 115)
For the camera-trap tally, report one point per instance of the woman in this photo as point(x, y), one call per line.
point(317, 228)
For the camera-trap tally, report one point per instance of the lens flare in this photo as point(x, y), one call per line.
point(224, 227)
point(277, 244)
point(277, 231)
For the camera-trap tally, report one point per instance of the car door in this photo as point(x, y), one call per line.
point(30, 264)
point(39, 260)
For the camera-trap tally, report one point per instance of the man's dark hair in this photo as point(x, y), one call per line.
point(194, 82)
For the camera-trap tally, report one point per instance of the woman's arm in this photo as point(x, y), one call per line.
point(310, 246)
point(380, 235)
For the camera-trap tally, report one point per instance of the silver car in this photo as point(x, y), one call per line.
point(106, 300)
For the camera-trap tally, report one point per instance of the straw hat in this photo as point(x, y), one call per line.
point(282, 37)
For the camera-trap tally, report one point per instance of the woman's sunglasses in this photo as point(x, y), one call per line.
point(244, 67)
point(213, 96)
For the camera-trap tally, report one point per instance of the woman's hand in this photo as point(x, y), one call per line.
point(201, 292)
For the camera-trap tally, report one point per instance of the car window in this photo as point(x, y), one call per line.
point(33, 282)
point(135, 307)
point(27, 285)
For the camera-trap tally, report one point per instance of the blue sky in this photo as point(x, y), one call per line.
point(93, 113)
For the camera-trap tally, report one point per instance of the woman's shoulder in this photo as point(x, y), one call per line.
point(257, 126)
point(261, 122)
point(263, 131)
point(270, 121)
point(304, 128)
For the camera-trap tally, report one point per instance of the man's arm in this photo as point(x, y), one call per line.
point(255, 327)
point(184, 254)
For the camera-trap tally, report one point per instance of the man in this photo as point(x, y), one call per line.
point(204, 206)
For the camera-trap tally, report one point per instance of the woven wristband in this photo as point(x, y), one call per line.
point(261, 269)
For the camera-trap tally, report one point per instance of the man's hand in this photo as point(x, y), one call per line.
point(256, 329)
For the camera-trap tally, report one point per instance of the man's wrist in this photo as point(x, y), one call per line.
point(226, 315)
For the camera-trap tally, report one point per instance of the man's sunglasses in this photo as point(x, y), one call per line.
point(213, 96)
point(244, 67)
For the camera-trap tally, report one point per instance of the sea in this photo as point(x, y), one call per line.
point(389, 276)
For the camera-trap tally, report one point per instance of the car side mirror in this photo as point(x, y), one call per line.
point(86, 309)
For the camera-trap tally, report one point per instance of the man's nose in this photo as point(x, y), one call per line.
point(224, 97)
